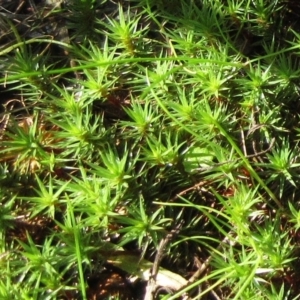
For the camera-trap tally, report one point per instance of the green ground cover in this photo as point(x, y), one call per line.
point(149, 149)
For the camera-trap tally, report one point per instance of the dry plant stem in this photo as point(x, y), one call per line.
point(152, 286)
point(203, 266)
point(243, 142)
point(251, 131)
point(197, 186)
point(4, 120)
point(237, 160)
point(12, 16)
